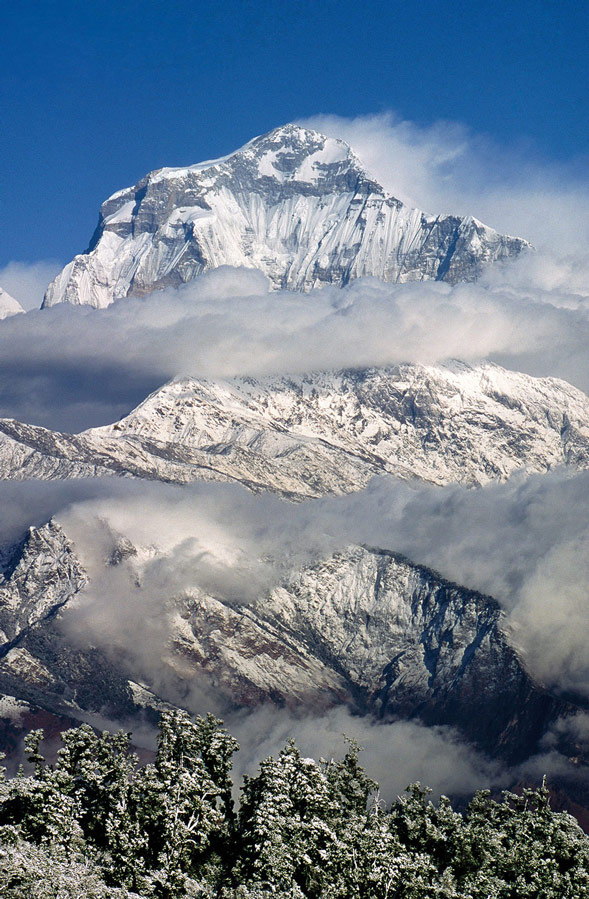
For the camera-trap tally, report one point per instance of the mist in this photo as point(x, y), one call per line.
point(521, 542)
point(69, 368)
point(394, 755)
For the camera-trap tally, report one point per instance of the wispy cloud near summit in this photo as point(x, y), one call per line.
point(447, 168)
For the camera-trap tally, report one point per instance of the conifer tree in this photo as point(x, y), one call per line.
point(285, 823)
point(177, 804)
point(95, 825)
point(42, 811)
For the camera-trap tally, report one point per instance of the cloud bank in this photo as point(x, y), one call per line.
point(75, 367)
point(395, 755)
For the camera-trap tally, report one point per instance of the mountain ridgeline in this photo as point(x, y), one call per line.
point(293, 203)
point(324, 432)
point(363, 627)
point(357, 626)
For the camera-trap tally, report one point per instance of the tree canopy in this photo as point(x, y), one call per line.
point(97, 824)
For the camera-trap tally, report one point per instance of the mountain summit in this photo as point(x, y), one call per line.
point(296, 204)
point(8, 305)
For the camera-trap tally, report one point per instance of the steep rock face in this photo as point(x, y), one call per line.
point(37, 579)
point(326, 432)
point(29, 451)
point(38, 664)
point(293, 203)
point(440, 424)
point(363, 627)
point(410, 644)
point(244, 659)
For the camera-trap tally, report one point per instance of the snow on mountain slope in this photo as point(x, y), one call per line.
point(44, 575)
point(293, 203)
point(363, 627)
point(8, 305)
point(40, 578)
point(408, 643)
point(323, 433)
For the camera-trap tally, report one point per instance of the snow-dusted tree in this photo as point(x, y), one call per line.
point(41, 872)
point(97, 770)
point(39, 807)
point(520, 847)
point(286, 824)
point(216, 748)
point(421, 827)
point(349, 784)
point(179, 804)
point(98, 823)
point(370, 862)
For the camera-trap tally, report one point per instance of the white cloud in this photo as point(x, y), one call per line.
point(446, 168)
point(395, 754)
point(73, 367)
point(27, 281)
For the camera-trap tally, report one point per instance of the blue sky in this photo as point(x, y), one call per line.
point(94, 95)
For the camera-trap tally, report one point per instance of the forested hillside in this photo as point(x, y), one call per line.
point(97, 824)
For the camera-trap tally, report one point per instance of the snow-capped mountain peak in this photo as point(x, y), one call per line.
point(288, 153)
point(324, 432)
point(8, 305)
point(293, 203)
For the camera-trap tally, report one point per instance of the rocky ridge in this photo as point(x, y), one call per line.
point(363, 627)
point(293, 203)
point(329, 432)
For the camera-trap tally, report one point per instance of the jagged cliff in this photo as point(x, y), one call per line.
point(364, 627)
